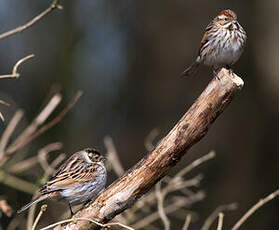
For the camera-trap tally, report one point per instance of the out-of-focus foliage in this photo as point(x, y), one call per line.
point(127, 57)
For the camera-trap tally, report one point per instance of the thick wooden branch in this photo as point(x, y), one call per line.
point(139, 179)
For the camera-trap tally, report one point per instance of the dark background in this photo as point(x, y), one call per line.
point(126, 56)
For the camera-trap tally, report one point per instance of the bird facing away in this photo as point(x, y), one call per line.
point(77, 181)
point(222, 44)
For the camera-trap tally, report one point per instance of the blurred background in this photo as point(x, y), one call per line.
point(126, 56)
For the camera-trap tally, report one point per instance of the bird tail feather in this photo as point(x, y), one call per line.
point(35, 201)
point(192, 68)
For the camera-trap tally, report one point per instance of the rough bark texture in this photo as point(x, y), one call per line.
point(189, 130)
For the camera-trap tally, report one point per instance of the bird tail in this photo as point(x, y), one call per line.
point(35, 201)
point(192, 68)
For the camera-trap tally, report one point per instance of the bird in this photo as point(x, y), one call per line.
point(222, 44)
point(79, 180)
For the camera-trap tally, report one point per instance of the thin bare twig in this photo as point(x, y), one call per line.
point(86, 219)
point(31, 213)
point(208, 222)
point(16, 74)
point(187, 222)
point(54, 5)
point(255, 208)
point(6, 208)
point(195, 164)
point(160, 204)
point(42, 156)
point(23, 165)
point(6, 104)
point(40, 118)
point(17, 183)
point(168, 209)
point(8, 131)
point(113, 156)
point(43, 209)
point(45, 127)
point(220, 221)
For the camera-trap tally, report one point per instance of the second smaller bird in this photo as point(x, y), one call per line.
point(77, 181)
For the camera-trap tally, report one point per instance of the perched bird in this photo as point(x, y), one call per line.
point(222, 44)
point(77, 181)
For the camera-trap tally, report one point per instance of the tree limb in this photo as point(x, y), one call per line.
point(125, 191)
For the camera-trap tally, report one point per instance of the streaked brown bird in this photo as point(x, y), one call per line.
point(77, 181)
point(222, 44)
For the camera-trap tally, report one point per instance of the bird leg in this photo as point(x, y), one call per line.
point(72, 213)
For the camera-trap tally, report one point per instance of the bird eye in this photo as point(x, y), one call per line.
point(226, 19)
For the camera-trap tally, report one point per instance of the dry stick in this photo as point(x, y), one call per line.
point(187, 222)
point(54, 5)
point(23, 165)
point(125, 191)
point(42, 156)
point(6, 208)
point(15, 73)
point(160, 204)
point(74, 220)
point(208, 222)
point(220, 221)
point(40, 118)
point(17, 183)
point(194, 164)
point(144, 222)
point(45, 127)
point(43, 209)
point(113, 156)
point(8, 131)
point(6, 104)
point(255, 208)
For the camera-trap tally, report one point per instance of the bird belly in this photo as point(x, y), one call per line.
point(83, 192)
point(223, 53)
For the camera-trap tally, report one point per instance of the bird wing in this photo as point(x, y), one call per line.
point(205, 37)
point(69, 175)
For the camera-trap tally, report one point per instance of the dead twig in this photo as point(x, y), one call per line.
point(113, 156)
point(160, 204)
point(6, 104)
point(227, 207)
point(6, 208)
point(54, 5)
point(43, 209)
point(187, 222)
point(42, 156)
point(255, 208)
point(74, 220)
point(8, 132)
point(17, 183)
point(15, 73)
point(177, 205)
point(44, 128)
point(220, 221)
point(40, 118)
